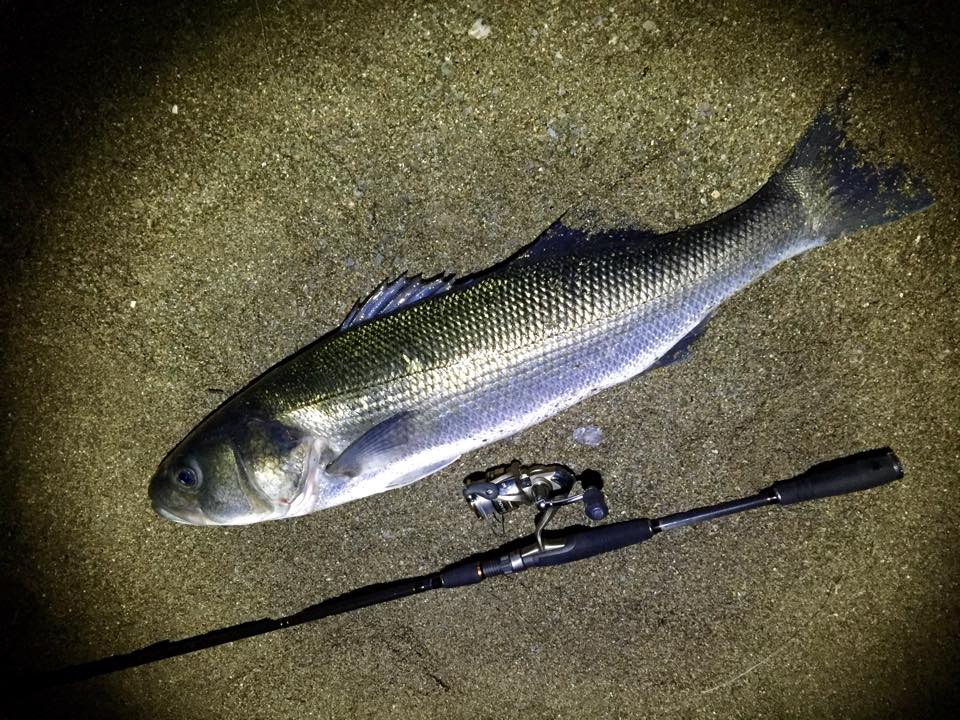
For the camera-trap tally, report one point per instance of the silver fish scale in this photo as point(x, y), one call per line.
point(495, 356)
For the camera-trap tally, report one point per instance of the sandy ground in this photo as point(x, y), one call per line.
point(189, 195)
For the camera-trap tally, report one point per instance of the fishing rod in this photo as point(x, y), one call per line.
point(502, 490)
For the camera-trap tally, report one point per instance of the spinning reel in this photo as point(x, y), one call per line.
point(505, 488)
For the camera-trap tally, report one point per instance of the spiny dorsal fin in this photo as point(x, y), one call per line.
point(390, 296)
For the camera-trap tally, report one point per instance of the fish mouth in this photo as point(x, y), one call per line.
point(185, 517)
point(159, 500)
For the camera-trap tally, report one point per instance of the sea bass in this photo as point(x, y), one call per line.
point(423, 371)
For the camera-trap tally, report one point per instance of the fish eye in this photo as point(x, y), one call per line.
point(188, 477)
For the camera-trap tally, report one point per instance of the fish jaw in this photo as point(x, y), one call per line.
point(182, 518)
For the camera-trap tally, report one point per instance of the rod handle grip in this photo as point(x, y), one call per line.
point(837, 477)
point(594, 541)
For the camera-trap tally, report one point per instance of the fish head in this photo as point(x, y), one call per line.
point(237, 469)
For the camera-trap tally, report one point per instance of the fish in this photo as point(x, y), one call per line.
point(425, 370)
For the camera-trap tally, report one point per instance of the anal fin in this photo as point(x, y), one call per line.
point(681, 349)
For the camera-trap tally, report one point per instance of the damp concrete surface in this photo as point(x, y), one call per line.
point(191, 192)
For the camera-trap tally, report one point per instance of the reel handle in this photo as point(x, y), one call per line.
point(595, 504)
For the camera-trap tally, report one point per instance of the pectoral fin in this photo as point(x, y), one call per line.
point(381, 443)
point(385, 442)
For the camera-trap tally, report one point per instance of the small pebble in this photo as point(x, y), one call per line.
point(479, 30)
point(649, 26)
point(175, 109)
point(588, 435)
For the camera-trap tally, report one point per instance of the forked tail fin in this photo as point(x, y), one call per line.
point(841, 190)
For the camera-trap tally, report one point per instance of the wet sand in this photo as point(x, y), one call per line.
point(190, 195)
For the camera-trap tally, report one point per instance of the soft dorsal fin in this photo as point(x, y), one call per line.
point(561, 239)
point(390, 296)
point(558, 239)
